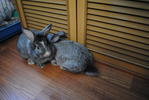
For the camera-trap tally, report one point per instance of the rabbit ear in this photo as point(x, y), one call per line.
point(61, 34)
point(29, 34)
point(50, 37)
point(45, 29)
point(53, 37)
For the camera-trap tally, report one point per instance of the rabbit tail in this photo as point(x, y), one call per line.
point(91, 71)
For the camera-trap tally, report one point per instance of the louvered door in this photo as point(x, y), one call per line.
point(116, 31)
point(35, 14)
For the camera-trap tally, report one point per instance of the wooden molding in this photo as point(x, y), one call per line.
point(72, 21)
point(81, 21)
point(21, 12)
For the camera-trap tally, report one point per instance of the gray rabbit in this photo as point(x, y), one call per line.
point(39, 48)
point(72, 56)
point(34, 46)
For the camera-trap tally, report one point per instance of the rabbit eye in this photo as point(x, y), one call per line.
point(37, 47)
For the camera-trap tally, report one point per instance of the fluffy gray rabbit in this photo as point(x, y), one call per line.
point(34, 46)
point(72, 56)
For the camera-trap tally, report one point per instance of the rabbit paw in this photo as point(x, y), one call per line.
point(63, 68)
point(40, 65)
point(30, 62)
point(53, 62)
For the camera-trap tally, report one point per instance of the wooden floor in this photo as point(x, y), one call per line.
point(20, 81)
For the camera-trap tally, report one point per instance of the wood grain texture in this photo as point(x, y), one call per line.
point(21, 13)
point(123, 23)
point(72, 19)
point(81, 21)
point(20, 81)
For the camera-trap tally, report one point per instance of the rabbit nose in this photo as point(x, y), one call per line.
point(38, 50)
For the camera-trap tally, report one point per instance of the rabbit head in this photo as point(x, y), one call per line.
point(39, 42)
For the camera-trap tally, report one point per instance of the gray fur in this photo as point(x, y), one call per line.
point(74, 57)
point(70, 56)
point(32, 45)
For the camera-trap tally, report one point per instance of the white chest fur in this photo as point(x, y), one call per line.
point(47, 53)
